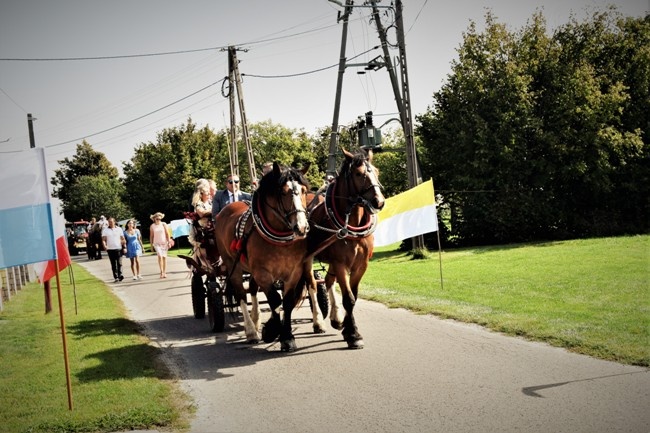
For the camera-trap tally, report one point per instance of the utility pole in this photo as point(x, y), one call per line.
point(403, 98)
point(234, 163)
point(334, 136)
point(235, 77)
point(402, 94)
point(30, 127)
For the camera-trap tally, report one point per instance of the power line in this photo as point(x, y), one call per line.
point(124, 56)
point(165, 53)
point(137, 118)
point(308, 72)
point(12, 100)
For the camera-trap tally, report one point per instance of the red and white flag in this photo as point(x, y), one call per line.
point(46, 270)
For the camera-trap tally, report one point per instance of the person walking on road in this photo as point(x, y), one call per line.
point(113, 242)
point(160, 241)
point(134, 247)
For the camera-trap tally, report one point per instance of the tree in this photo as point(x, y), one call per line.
point(274, 142)
point(533, 136)
point(87, 185)
point(161, 175)
point(94, 196)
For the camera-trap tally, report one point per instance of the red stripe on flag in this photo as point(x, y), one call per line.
point(63, 258)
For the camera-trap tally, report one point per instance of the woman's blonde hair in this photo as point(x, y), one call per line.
point(157, 215)
point(197, 194)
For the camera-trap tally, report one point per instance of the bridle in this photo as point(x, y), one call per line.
point(342, 229)
point(261, 222)
point(360, 199)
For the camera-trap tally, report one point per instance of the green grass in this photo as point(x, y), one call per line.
point(118, 380)
point(590, 296)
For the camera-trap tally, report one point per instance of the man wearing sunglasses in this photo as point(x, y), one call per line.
point(229, 195)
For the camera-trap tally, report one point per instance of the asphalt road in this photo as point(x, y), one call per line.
point(415, 374)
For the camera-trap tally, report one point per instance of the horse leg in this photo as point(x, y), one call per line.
point(252, 336)
point(336, 315)
point(255, 305)
point(310, 281)
point(272, 328)
point(350, 332)
point(287, 340)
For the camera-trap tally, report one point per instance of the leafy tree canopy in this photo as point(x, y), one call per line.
point(93, 196)
point(87, 185)
point(537, 136)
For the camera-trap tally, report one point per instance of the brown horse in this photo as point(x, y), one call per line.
point(268, 240)
point(347, 212)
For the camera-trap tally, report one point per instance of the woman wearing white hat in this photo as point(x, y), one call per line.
point(160, 241)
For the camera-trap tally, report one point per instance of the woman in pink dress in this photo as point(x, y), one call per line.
point(159, 238)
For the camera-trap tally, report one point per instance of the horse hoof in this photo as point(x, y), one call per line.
point(318, 329)
point(336, 325)
point(288, 345)
point(271, 331)
point(355, 344)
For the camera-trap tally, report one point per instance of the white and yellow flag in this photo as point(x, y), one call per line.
point(406, 215)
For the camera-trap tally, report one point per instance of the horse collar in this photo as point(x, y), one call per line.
point(344, 230)
point(263, 227)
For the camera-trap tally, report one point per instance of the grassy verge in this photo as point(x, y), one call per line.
point(590, 296)
point(118, 381)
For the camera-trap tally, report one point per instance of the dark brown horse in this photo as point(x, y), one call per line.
point(268, 240)
point(346, 212)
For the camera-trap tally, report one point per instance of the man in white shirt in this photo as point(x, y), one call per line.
point(113, 240)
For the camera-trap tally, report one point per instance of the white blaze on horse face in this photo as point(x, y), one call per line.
point(302, 225)
point(371, 172)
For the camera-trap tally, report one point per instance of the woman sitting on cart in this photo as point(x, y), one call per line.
point(201, 232)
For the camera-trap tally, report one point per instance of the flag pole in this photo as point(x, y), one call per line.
point(63, 335)
point(439, 257)
point(438, 235)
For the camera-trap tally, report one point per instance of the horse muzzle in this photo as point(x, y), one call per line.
point(374, 206)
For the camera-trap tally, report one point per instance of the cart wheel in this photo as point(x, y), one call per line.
point(216, 314)
point(321, 295)
point(198, 296)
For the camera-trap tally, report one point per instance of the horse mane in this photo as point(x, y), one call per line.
point(272, 180)
point(357, 159)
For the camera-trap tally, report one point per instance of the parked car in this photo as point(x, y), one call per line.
point(77, 233)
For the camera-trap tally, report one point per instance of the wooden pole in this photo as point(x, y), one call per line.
point(63, 336)
point(47, 289)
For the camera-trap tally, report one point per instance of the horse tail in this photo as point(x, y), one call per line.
point(230, 298)
point(300, 292)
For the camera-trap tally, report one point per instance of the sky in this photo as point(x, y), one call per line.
point(127, 88)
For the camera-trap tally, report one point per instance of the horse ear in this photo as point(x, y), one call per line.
point(276, 169)
point(305, 169)
point(348, 155)
point(369, 154)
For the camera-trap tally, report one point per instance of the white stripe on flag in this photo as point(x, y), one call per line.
point(406, 215)
point(25, 220)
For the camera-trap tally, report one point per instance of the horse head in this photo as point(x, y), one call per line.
point(362, 179)
point(286, 190)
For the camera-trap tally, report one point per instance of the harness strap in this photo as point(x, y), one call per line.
point(341, 226)
point(268, 233)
